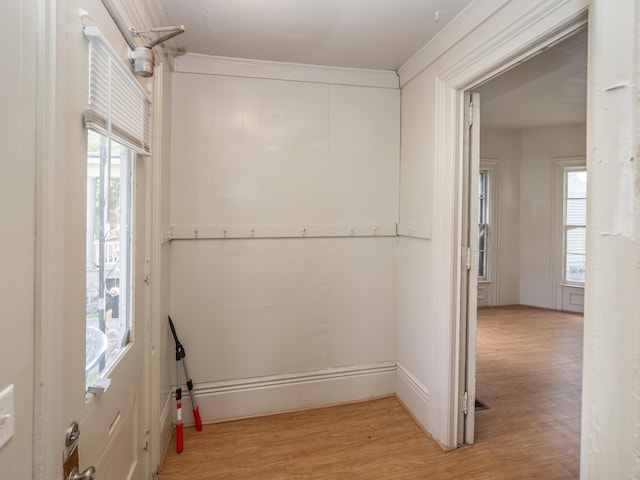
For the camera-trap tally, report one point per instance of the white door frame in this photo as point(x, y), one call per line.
point(469, 270)
point(49, 308)
point(536, 30)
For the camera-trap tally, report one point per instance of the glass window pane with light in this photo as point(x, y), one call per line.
point(483, 224)
point(108, 253)
point(575, 221)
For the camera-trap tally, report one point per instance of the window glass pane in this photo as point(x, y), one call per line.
point(482, 268)
point(577, 184)
point(482, 252)
point(575, 225)
point(481, 197)
point(482, 243)
point(482, 224)
point(108, 253)
point(577, 240)
point(576, 211)
point(576, 208)
point(575, 268)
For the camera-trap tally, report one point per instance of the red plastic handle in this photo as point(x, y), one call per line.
point(196, 415)
point(179, 438)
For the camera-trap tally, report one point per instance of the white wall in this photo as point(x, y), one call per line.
point(418, 349)
point(307, 307)
point(529, 271)
point(539, 148)
point(503, 146)
point(17, 204)
point(485, 35)
point(611, 381)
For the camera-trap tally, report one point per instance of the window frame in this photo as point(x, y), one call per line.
point(484, 217)
point(560, 288)
point(118, 109)
point(121, 333)
point(492, 170)
point(566, 228)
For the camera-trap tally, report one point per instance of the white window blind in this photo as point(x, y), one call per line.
point(118, 105)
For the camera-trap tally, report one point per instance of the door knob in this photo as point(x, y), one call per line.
point(88, 474)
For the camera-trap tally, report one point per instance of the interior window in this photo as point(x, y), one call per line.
point(108, 253)
point(575, 221)
point(483, 227)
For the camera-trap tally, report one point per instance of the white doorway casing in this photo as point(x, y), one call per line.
point(486, 39)
point(495, 35)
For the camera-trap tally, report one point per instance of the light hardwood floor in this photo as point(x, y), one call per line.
point(529, 374)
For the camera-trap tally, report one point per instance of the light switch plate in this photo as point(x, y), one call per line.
point(7, 424)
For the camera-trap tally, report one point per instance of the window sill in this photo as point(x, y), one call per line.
point(572, 285)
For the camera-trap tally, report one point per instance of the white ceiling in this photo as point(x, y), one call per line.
point(549, 89)
point(375, 34)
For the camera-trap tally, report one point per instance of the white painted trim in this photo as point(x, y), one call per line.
point(422, 231)
point(466, 21)
point(499, 46)
point(447, 256)
point(517, 31)
point(572, 298)
point(123, 420)
point(166, 235)
point(492, 166)
point(483, 293)
point(49, 308)
point(237, 67)
point(503, 49)
point(225, 400)
point(413, 394)
point(158, 436)
point(560, 164)
point(165, 415)
point(192, 232)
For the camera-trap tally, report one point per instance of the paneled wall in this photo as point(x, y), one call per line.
point(284, 200)
point(417, 338)
point(540, 146)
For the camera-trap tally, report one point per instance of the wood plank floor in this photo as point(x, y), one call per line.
point(529, 374)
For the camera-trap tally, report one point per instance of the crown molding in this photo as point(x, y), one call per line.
point(465, 22)
point(238, 67)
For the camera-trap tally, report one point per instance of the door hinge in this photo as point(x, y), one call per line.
point(468, 258)
point(470, 113)
point(465, 403)
point(147, 270)
point(147, 432)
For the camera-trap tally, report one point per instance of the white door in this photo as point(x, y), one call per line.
point(111, 415)
point(469, 274)
point(91, 291)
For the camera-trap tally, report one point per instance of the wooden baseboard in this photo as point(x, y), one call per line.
point(224, 401)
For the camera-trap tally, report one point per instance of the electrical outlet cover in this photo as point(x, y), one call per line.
point(7, 427)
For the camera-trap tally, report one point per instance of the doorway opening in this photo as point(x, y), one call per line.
point(529, 252)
